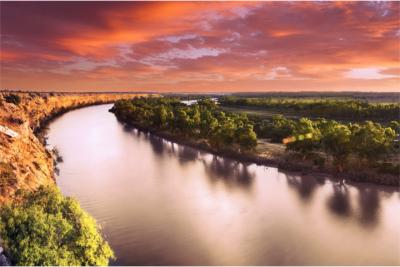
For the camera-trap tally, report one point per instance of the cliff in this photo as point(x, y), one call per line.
point(24, 161)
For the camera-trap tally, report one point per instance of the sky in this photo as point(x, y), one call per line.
point(200, 46)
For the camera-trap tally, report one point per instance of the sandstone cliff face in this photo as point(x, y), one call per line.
point(24, 161)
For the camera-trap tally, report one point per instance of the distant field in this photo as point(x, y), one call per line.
point(260, 112)
point(264, 113)
point(372, 97)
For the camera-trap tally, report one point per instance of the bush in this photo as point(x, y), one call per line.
point(45, 228)
point(56, 155)
point(13, 98)
point(7, 177)
point(15, 120)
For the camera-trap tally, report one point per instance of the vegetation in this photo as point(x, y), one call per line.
point(56, 155)
point(7, 177)
point(368, 144)
point(353, 110)
point(200, 121)
point(45, 228)
point(13, 98)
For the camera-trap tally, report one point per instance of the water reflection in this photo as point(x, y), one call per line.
point(338, 203)
point(234, 173)
point(157, 144)
point(186, 154)
point(369, 203)
point(231, 172)
point(305, 186)
point(209, 210)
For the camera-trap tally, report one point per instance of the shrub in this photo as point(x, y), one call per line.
point(45, 228)
point(15, 120)
point(57, 156)
point(7, 177)
point(13, 98)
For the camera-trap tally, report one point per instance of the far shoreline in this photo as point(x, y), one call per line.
point(274, 162)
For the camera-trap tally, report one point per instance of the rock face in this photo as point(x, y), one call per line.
point(24, 161)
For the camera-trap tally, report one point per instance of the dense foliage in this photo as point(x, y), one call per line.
point(366, 141)
point(201, 121)
point(353, 110)
point(45, 228)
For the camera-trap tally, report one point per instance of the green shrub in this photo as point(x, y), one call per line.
point(45, 228)
point(13, 98)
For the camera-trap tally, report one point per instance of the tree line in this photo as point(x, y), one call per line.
point(353, 110)
point(202, 120)
point(368, 142)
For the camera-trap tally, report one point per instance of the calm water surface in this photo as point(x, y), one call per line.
point(160, 203)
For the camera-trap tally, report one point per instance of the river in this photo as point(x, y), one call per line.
point(160, 203)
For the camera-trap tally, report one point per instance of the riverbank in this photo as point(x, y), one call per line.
point(289, 162)
point(25, 163)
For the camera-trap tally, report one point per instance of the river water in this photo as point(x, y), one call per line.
point(160, 203)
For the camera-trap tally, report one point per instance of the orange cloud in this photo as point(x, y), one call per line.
point(202, 46)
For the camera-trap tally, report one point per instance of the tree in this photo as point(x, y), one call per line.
point(247, 138)
point(207, 123)
point(280, 128)
point(371, 141)
point(336, 141)
point(306, 137)
point(395, 125)
point(13, 98)
point(49, 229)
point(161, 116)
point(182, 120)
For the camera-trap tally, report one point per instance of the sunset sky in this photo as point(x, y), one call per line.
point(200, 46)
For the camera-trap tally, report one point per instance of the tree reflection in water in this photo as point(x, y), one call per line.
point(338, 203)
point(232, 172)
point(369, 202)
point(218, 168)
point(305, 185)
point(236, 174)
point(157, 144)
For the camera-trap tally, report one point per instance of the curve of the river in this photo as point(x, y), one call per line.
point(160, 203)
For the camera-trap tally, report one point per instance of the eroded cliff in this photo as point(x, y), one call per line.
point(24, 161)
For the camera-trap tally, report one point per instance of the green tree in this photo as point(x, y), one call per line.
point(395, 125)
point(46, 228)
point(336, 141)
point(182, 119)
point(307, 137)
point(280, 128)
point(371, 141)
point(161, 116)
point(208, 123)
point(246, 136)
